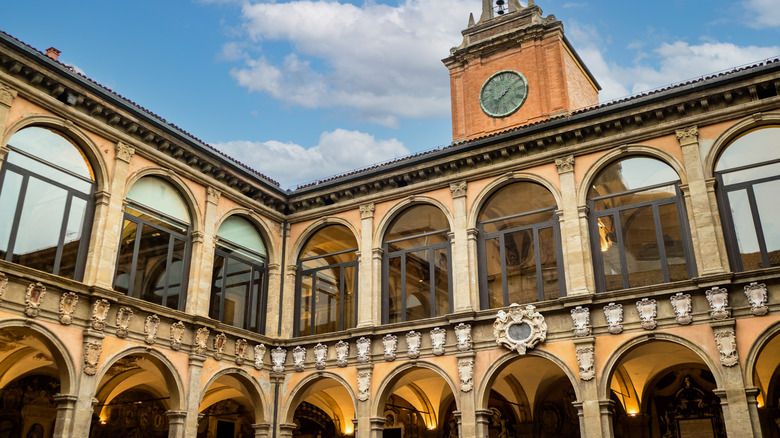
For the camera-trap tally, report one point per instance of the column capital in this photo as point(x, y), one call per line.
point(688, 136)
point(196, 360)
point(565, 164)
point(376, 253)
point(212, 195)
point(292, 269)
point(7, 95)
point(367, 210)
point(124, 151)
point(458, 189)
point(176, 416)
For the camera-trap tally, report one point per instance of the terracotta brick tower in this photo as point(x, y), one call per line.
point(514, 67)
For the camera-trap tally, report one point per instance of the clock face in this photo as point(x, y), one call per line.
point(503, 93)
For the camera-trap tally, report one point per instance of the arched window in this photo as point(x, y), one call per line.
point(238, 286)
point(326, 298)
point(519, 247)
point(46, 188)
point(748, 174)
point(417, 266)
point(154, 249)
point(638, 225)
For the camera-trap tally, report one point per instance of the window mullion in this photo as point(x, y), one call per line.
point(63, 230)
point(659, 237)
point(537, 255)
point(759, 229)
point(504, 274)
point(432, 280)
point(17, 217)
point(223, 289)
point(313, 303)
point(403, 287)
point(621, 248)
point(134, 262)
point(341, 298)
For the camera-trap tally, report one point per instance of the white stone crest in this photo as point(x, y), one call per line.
point(438, 339)
point(719, 302)
point(3, 285)
point(757, 297)
point(201, 340)
point(727, 346)
point(648, 312)
point(682, 305)
point(150, 328)
point(123, 317)
point(466, 373)
point(219, 345)
point(342, 352)
point(586, 361)
point(320, 354)
point(278, 358)
point(364, 384)
point(299, 358)
point(463, 335)
point(259, 355)
point(390, 344)
point(33, 299)
point(99, 314)
point(240, 351)
point(363, 350)
point(177, 333)
point(519, 329)
point(580, 316)
point(92, 350)
point(614, 315)
point(68, 302)
point(413, 339)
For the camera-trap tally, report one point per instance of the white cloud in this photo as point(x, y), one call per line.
point(337, 152)
point(763, 13)
point(382, 61)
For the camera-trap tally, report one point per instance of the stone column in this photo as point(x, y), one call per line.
point(376, 263)
point(483, 422)
point(734, 399)
point(107, 228)
point(472, 235)
point(461, 290)
point(286, 430)
point(176, 424)
point(66, 404)
point(193, 394)
point(595, 418)
point(7, 96)
point(752, 392)
point(262, 430)
point(86, 387)
point(710, 250)
point(272, 311)
point(287, 312)
point(363, 415)
point(467, 418)
point(368, 296)
point(574, 242)
point(377, 426)
point(203, 244)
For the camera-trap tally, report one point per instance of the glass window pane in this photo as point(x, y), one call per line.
point(236, 292)
point(45, 144)
point(515, 199)
point(350, 298)
point(745, 231)
point(394, 290)
point(327, 301)
point(521, 267)
point(49, 172)
point(769, 213)
point(305, 318)
point(256, 317)
point(643, 259)
point(9, 198)
point(40, 225)
point(330, 239)
point(441, 281)
point(418, 242)
point(610, 253)
point(636, 198)
point(755, 146)
point(241, 232)
point(518, 222)
point(150, 272)
point(418, 285)
point(73, 238)
point(631, 174)
point(416, 220)
point(216, 286)
point(161, 196)
point(552, 290)
point(495, 290)
point(125, 262)
point(673, 242)
point(751, 174)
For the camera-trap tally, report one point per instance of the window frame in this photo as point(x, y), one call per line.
point(223, 249)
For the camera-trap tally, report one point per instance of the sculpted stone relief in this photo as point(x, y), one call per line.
point(240, 351)
point(390, 343)
point(580, 316)
point(33, 299)
point(438, 339)
point(92, 350)
point(466, 374)
point(586, 361)
point(719, 302)
point(68, 302)
point(150, 328)
point(177, 333)
point(320, 355)
point(3, 285)
point(259, 355)
point(614, 314)
point(201, 340)
point(519, 329)
point(682, 305)
point(99, 314)
point(727, 347)
point(363, 350)
point(413, 344)
point(648, 312)
point(463, 336)
point(757, 297)
point(342, 352)
point(364, 384)
point(278, 358)
point(123, 317)
point(219, 345)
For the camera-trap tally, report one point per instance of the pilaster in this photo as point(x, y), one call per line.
point(377, 426)
point(460, 253)
point(273, 313)
point(190, 422)
point(482, 422)
point(287, 312)
point(262, 430)
point(364, 422)
point(575, 242)
point(7, 96)
point(376, 265)
point(203, 245)
point(66, 405)
point(286, 430)
point(176, 424)
point(595, 419)
point(85, 400)
point(368, 291)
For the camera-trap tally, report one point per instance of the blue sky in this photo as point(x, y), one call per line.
point(302, 90)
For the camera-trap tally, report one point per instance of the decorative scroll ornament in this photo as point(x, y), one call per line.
point(320, 354)
point(68, 302)
point(614, 314)
point(363, 350)
point(123, 317)
point(466, 373)
point(219, 345)
point(458, 189)
point(367, 211)
point(520, 328)
point(580, 316)
point(565, 164)
point(727, 346)
point(3, 285)
point(586, 361)
point(342, 352)
point(259, 355)
point(390, 344)
point(364, 384)
point(177, 333)
point(757, 297)
point(438, 339)
point(240, 351)
point(150, 328)
point(278, 358)
point(413, 339)
point(124, 152)
point(682, 305)
point(33, 299)
point(99, 314)
point(648, 312)
point(299, 358)
point(92, 350)
point(719, 302)
point(201, 340)
point(463, 335)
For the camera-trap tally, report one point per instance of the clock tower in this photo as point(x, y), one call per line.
point(514, 67)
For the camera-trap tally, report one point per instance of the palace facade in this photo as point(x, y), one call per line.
point(564, 268)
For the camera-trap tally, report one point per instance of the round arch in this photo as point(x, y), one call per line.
point(315, 226)
point(249, 383)
point(256, 220)
point(76, 135)
point(60, 353)
point(505, 180)
point(627, 151)
point(751, 360)
point(610, 366)
point(490, 375)
point(386, 386)
point(726, 137)
point(178, 183)
point(394, 211)
point(310, 385)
